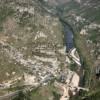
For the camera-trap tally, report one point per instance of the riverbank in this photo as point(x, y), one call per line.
point(80, 44)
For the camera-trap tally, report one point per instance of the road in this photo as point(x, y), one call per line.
point(65, 94)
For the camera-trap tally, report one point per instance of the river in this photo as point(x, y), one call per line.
point(68, 36)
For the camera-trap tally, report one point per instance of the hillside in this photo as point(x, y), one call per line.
point(29, 37)
point(33, 57)
point(84, 17)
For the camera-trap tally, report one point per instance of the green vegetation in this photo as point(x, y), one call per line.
point(40, 93)
point(7, 67)
point(45, 92)
point(22, 96)
point(88, 61)
point(4, 13)
point(89, 80)
point(94, 35)
point(73, 66)
point(1, 28)
point(92, 95)
point(25, 19)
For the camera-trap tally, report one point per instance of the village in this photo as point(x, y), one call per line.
point(40, 73)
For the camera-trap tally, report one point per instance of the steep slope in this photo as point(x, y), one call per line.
point(84, 17)
point(29, 43)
